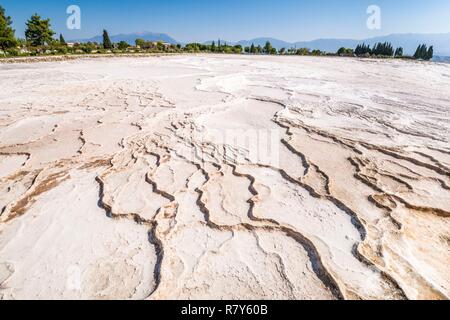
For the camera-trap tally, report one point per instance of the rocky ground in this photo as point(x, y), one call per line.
point(225, 177)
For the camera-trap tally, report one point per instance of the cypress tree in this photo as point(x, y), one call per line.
point(381, 49)
point(252, 48)
point(417, 53)
point(430, 53)
point(374, 49)
point(7, 39)
point(362, 49)
point(268, 48)
point(423, 52)
point(213, 47)
point(389, 50)
point(106, 41)
point(62, 40)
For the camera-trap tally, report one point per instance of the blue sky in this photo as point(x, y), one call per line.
point(201, 20)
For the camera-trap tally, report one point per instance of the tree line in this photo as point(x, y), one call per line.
point(424, 53)
point(39, 39)
point(386, 50)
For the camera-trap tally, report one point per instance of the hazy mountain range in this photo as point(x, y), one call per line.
point(131, 37)
point(409, 41)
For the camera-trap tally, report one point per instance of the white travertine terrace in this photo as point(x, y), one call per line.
point(115, 184)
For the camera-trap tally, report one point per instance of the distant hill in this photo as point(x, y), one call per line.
point(276, 43)
point(329, 45)
point(442, 59)
point(409, 41)
point(257, 42)
point(130, 38)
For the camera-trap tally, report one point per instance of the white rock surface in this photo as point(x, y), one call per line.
point(232, 177)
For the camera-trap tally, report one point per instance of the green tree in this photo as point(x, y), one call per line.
point(88, 47)
point(430, 53)
point(192, 47)
point(123, 45)
point(213, 47)
point(228, 49)
point(283, 51)
point(383, 49)
point(345, 52)
point(302, 52)
point(21, 42)
point(398, 52)
point(140, 43)
point(107, 44)
point(419, 52)
point(252, 48)
point(238, 49)
point(424, 53)
point(7, 39)
point(268, 47)
point(363, 49)
point(62, 40)
point(38, 31)
point(160, 46)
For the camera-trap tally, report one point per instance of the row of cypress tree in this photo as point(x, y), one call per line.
point(386, 49)
point(379, 49)
point(424, 53)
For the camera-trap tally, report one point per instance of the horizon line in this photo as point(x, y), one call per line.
point(260, 37)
